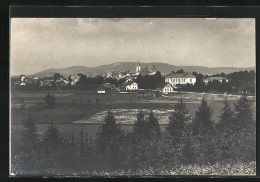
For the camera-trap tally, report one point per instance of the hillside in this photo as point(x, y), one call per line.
point(164, 68)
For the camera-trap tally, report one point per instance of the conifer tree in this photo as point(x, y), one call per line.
point(52, 145)
point(227, 116)
point(108, 140)
point(29, 137)
point(140, 125)
point(178, 118)
point(243, 111)
point(153, 126)
point(202, 120)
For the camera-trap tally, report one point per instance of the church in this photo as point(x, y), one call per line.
point(145, 70)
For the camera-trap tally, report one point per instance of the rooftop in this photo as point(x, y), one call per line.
point(180, 75)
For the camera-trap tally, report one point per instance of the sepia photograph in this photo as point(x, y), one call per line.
point(132, 97)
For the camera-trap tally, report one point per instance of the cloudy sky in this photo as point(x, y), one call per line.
point(43, 43)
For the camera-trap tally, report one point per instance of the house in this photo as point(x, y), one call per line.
point(106, 87)
point(131, 85)
point(74, 79)
point(22, 78)
point(47, 83)
point(62, 82)
point(210, 79)
point(115, 74)
point(180, 78)
point(145, 70)
point(165, 88)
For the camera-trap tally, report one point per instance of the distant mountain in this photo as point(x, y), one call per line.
point(164, 68)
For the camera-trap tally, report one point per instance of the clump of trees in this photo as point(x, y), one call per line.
point(50, 100)
point(149, 81)
point(185, 141)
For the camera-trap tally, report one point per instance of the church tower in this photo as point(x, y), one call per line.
point(138, 68)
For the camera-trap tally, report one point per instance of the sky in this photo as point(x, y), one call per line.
point(42, 43)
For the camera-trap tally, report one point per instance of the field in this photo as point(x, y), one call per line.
point(77, 108)
point(78, 113)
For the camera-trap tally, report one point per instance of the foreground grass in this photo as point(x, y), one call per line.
point(238, 169)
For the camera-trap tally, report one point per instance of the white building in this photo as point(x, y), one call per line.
point(180, 78)
point(130, 86)
point(210, 79)
point(165, 88)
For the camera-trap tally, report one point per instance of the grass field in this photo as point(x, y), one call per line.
point(73, 114)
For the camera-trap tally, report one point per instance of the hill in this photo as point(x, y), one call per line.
point(164, 68)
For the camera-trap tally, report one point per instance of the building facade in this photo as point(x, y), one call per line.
point(210, 79)
point(180, 78)
point(130, 85)
point(165, 88)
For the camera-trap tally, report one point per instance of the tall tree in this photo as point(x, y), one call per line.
point(203, 120)
point(153, 126)
point(108, 140)
point(52, 144)
point(29, 137)
point(140, 125)
point(227, 116)
point(243, 112)
point(178, 118)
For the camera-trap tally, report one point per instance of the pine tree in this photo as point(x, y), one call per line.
point(140, 125)
point(52, 139)
point(243, 111)
point(108, 140)
point(227, 116)
point(29, 136)
point(202, 121)
point(178, 118)
point(153, 126)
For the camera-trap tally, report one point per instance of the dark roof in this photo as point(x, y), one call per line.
point(128, 83)
point(162, 85)
point(180, 75)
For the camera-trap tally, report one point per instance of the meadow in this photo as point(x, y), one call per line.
point(74, 111)
point(78, 116)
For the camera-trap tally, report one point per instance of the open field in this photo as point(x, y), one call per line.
point(73, 116)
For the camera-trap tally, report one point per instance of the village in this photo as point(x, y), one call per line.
point(116, 81)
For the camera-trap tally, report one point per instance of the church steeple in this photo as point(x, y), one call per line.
point(138, 67)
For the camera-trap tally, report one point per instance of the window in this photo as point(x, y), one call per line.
point(190, 80)
point(173, 80)
point(184, 79)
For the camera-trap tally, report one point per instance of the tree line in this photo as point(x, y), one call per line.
point(185, 141)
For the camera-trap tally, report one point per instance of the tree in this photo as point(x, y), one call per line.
point(50, 100)
point(29, 137)
point(153, 126)
point(56, 76)
point(227, 116)
point(202, 120)
point(140, 125)
point(108, 140)
point(52, 144)
point(178, 118)
point(243, 112)
point(180, 71)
